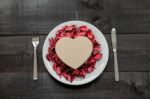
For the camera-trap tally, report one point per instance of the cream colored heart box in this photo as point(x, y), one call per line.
point(74, 52)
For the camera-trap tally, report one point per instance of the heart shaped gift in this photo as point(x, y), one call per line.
point(74, 52)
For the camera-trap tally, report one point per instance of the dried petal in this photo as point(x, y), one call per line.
point(85, 69)
point(55, 67)
point(81, 33)
point(98, 56)
point(69, 77)
point(83, 28)
point(89, 35)
point(82, 73)
point(58, 71)
point(76, 72)
point(90, 69)
point(69, 28)
point(68, 34)
point(64, 74)
point(97, 48)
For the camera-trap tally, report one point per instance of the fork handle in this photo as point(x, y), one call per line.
point(116, 67)
point(35, 66)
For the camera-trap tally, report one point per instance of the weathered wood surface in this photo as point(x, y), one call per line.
point(35, 16)
point(21, 86)
point(21, 19)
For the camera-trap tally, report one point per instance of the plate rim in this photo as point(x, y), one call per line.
point(70, 83)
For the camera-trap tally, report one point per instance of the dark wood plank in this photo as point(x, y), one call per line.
point(34, 16)
point(149, 83)
point(19, 17)
point(21, 86)
point(131, 16)
point(16, 53)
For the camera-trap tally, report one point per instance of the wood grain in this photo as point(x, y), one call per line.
point(20, 17)
point(21, 85)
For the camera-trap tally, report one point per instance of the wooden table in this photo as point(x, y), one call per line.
point(22, 19)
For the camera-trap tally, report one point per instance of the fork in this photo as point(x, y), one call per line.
point(35, 42)
point(114, 44)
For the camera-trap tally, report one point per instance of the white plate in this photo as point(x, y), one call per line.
point(100, 65)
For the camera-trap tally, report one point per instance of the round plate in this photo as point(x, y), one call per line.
point(100, 65)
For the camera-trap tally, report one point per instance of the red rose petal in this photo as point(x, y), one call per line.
point(89, 35)
point(76, 72)
point(82, 73)
point(83, 28)
point(55, 67)
point(58, 71)
point(64, 74)
point(97, 48)
point(69, 77)
point(85, 69)
point(92, 60)
point(68, 34)
point(90, 69)
point(98, 56)
point(81, 33)
point(69, 28)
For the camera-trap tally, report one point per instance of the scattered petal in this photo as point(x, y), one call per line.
point(76, 72)
point(69, 28)
point(83, 28)
point(98, 56)
point(58, 71)
point(90, 69)
point(89, 35)
point(55, 67)
point(81, 33)
point(64, 74)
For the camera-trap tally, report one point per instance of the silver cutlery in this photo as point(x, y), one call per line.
point(35, 42)
point(114, 45)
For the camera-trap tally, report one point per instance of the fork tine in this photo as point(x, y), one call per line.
point(35, 38)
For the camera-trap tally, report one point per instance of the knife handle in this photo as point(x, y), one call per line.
point(116, 67)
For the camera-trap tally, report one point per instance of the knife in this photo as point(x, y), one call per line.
point(114, 45)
